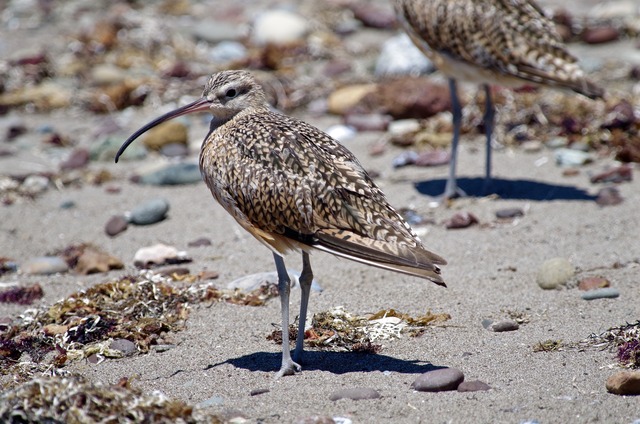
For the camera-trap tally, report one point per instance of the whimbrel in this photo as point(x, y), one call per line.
point(504, 42)
point(294, 188)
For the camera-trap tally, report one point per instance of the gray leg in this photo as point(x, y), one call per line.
point(306, 277)
point(288, 367)
point(451, 189)
point(489, 112)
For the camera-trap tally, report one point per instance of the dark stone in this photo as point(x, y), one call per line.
point(438, 380)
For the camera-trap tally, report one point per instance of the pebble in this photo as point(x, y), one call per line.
point(227, 51)
point(435, 157)
point(508, 213)
point(169, 132)
point(107, 149)
point(572, 157)
point(403, 126)
point(531, 146)
point(116, 225)
point(399, 56)
point(174, 174)
point(341, 132)
point(461, 220)
point(278, 27)
point(599, 35)
point(174, 150)
point(356, 393)
point(408, 157)
point(148, 213)
point(202, 241)
point(34, 185)
point(554, 273)
point(252, 282)
point(438, 380)
point(619, 174)
point(609, 196)
point(604, 293)
point(158, 254)
point(125, 346)
point(78, 159)
point(67, 204)
point(592, 283)
point(344, 99)
point(371, 15)
point(626, 383)
point(473, 386)
point(256, 392)
point(368, 121)
point(315, 419)
point(408, 97)
point(44, 265)
point(505, 325)
point(215, 32)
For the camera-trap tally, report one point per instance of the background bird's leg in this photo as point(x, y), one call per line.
point(306, 277)
point(451, 189)
point(489, 113)
point(288, 367)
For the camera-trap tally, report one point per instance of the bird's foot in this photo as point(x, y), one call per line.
point(288, 367)
point(451, 193)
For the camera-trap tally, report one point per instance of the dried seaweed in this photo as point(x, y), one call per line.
point(22, 295)
point(72, 399)
point(342, 331)
point(624, 340)
point(548, 346)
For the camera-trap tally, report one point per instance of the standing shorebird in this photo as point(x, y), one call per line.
point(504, 42)
point(295, 188)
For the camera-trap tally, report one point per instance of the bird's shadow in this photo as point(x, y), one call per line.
point(507, 189)
point(334, 362)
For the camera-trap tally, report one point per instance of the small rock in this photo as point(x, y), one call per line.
point(341, 132)
point(399, 56)
point(473, 386)
point(572, 157)
point(371, 15)
point(609, 196)
point(68, 204)
point(176, 174)
point(150, 212)
point(626, 383)
point(435, 157)
point(208, 275)
point(279, 27)
point(554, 273)
point(227, 51)
point(408, 157)
point(438, 380)
point(368, 122)
point(34, 185)
point(78, 159)
point(123, 345)
point(356, 393)
point(45, 265)
point(592, 283)
point(622, 115)
point(256, 392)
point(159, 254)
point(505, 325)
point(531, 146)
point(215, 32)
point(600, 35)
point(344, 99)
point(615, 175)
point(252, 282)
point(174, 150)
point(169, 132)
point(316, 419)
point(202, 241)
point(403, 126)
point(116, 225)
point(508, 213)
point(461, 220)
point(107, 149)
point(605, 293)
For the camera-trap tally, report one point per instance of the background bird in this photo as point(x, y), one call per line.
point(295, 188)
point(505, 42)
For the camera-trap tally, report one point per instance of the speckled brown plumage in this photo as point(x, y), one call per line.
point(509, 42)
point(295, 188)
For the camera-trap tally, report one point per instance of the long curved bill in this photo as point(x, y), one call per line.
point(200, 105)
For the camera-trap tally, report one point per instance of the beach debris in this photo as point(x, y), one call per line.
point(159, 254)
point(78, 400)
point(603, 293)
point(572, 157)
point(355, 393)
point(438, 380)
point(624, 340)
point(21, 295)
point(592, 283)
point(85, 258)
point(554, 273)
point(548, 346)
point(460, 220)
point(44, 265)
point(618, 174)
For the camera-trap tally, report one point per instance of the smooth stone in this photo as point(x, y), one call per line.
point(438, 380)
point(505, 325)
point(531, 146)
point(572, 157)
point(67, 204)
point(212, 401)
point(593, 283)
point(34, 185)
point(174, 150)
point(609, 196)
point(473, 386)
point(508, 213)
point(256, 392)
point(341, 132)
point(461, 220)
point(554, 273)
point(344, 99)
point(116, 225)
point(368, 121)
point(202, 241)
point(105, 74)
point(170, 132)
point(153, 211)
point(486, 323)
point(228, 51)
point(624, 383)
point(176, 174)
point(252, 282)
point(78, 159)
point(106, 150)
point(356, 393)
point(403, 126)
point(557, 142)
point(217, 31)
point(44, 265)
point(619, 174)
point(399, 56)
point(125, 346)
point(279, 26)
point(605, 293)
point(408, 157)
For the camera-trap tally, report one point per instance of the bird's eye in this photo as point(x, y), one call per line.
point(231, 93)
